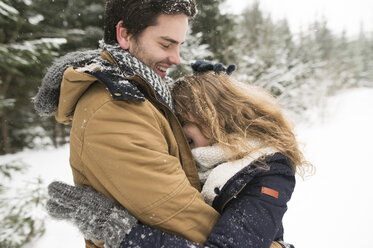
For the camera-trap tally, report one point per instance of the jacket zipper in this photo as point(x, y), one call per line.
point(232, 197)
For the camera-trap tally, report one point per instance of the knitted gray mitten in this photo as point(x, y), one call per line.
point(97, 217)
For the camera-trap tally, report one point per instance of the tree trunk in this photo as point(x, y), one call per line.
point(55, 134)
point(63, 134)
point(4, 86)
point(5, 144)
point(59, 134)
point(5, 141)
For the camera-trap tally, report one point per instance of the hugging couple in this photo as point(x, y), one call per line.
point(204, 161)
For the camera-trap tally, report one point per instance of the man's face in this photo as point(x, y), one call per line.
point(158, 46)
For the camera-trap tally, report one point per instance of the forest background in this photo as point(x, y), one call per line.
point(300, 69)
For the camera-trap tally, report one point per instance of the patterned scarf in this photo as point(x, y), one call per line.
point(129, 66)
point(46, 100)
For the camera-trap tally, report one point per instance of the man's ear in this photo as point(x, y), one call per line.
point(122, 36)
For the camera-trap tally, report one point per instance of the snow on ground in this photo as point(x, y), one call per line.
point(334, 207)
point(50, 165)
point(330, 209)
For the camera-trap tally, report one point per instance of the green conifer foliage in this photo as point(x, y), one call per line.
point(215, 29)
point(32, 34)
point(21, 212)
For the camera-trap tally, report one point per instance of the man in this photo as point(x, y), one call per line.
point(125, 141)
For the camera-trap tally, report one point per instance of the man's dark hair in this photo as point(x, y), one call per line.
point(137, 15)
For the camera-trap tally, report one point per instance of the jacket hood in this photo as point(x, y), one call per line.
point(46, 100)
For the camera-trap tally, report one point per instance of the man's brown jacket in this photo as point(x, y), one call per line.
point(135, 153)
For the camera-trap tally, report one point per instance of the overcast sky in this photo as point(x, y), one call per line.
point(340, 14)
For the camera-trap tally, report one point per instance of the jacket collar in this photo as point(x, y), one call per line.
point(271, 165)
point(214, 170)
point(114, 68)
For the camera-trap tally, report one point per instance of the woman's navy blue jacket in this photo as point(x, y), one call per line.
point(252, 204)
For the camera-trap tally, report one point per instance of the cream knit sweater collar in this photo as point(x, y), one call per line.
point(215, 170)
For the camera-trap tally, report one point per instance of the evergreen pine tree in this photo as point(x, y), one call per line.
point(21, 213)
point(32, 33)
point(215, 30)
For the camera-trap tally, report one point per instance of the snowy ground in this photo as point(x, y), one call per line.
point(334, 207)
point(330, 209)
point(50, 165)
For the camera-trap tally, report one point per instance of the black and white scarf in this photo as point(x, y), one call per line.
point(90, 61)
point(130, 65)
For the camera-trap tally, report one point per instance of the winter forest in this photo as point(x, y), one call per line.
point(303, 70)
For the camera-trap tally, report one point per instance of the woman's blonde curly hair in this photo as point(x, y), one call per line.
point(230, 113)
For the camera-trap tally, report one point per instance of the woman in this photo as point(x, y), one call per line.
point(246, 153)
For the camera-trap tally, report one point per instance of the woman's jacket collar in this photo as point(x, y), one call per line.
point(275, 164)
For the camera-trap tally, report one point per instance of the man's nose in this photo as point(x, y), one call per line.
point(174, 57)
